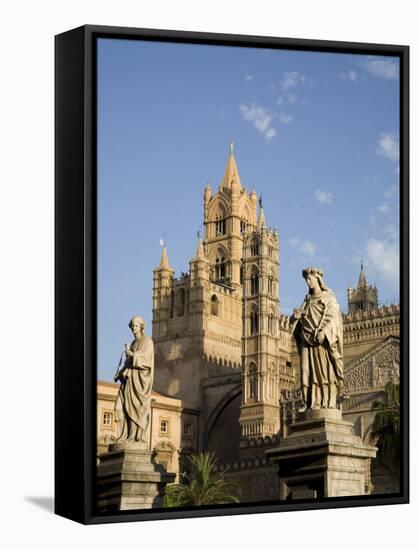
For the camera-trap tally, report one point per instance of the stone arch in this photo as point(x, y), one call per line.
point(255, 280)
point(220, 205)
point(223, 425)
point(254, 245)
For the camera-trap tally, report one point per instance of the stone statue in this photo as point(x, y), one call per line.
point(132, 407)
point(317, 328)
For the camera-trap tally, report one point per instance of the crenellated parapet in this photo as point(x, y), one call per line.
point(372, 324)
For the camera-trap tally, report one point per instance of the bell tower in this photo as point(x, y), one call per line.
point(259, 414)
point(226, 214)
point(364, 297)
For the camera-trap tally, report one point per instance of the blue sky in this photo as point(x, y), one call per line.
point(316, 133)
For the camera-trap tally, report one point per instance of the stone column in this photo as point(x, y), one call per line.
point(322, 457)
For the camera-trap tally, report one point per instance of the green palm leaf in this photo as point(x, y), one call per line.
point(202, 485)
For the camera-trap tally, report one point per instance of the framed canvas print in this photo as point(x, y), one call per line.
point(231, 274)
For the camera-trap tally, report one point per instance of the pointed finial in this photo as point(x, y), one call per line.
point(260, 201)
point(198, 233)
point(362, 265)
point(164, 261)
point(231, 147)
point(200, 250)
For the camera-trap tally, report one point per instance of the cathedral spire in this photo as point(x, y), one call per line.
point(362, 281)
point(200, 250)
point(261, 221)
point(164, 262)
point(231, 173)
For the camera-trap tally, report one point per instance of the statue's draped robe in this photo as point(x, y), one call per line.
point(321, 364)
point(132, 407)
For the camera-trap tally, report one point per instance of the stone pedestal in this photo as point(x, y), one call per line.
point(322, 457)
point(128, 478)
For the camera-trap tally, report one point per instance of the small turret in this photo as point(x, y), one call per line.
point(364, 297)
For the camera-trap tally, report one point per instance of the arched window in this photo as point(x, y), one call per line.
point(181, 302)
point(220, 223)
point(254, 248)
point(254, 321)
point(254, 282)
point(214, 305)
point(243, 225)
point(220, 268)
point(252, 382)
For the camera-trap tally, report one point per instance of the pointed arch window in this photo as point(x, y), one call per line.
point(252, 382)
point(254, 282)
point(254, 321)
point(243, 225)
point(220, 268)
point(254, 248)
point(220, 223)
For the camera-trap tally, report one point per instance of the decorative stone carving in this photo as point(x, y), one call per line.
point(374, 369)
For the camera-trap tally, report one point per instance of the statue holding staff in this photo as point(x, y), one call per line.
point(133, 403)
point(318, 331)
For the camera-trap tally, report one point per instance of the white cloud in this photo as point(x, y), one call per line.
point(280, 100)
point(371, 220)
point(350, 75)
point(391, 231)
point(306, 248)
point(383, 258)
point(383, 208)
point(382, 68)
point(388, 147)
point(248, 78)
point(291, 98)
point(260, 118)
point(285, 119)
point(270, 133)
point(291, 80)
point(323, 197)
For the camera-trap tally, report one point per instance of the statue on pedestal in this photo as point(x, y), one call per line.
point(318, 331)
point(133, 403)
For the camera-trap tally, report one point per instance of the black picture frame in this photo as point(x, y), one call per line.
point(76, 270)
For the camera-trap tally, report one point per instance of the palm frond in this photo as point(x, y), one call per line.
point(203, 486)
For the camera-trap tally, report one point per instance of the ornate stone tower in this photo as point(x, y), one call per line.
point(266, 340)
point(226, 215)
point(364, 297)
point(219, 337)
point(163, 295)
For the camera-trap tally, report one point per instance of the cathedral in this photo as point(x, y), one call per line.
point(226, 365)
